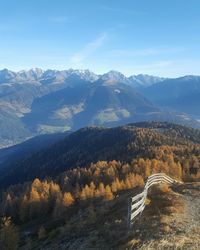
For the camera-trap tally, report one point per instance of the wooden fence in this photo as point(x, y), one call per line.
point(137, 203)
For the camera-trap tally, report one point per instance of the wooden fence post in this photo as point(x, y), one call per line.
point(129, 214)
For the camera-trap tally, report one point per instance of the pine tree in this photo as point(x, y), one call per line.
point(24, 209)
point(83, 195)
point(128, 183)
point(108, 193)
point(9, 236)
point(179, 171)
point(36, 183)
point(58, 208)
point(147, 170)
point(114, 187)
point(97, 193)
point(67, 200)
point(101, 189)
point(41, 233)
point(8, 204)
point(88, 191)
point(34, 195)
point(54, 194)
point(35, 205)
point(118, 184)
point(139, 181)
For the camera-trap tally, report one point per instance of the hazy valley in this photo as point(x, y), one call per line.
point(37, 102)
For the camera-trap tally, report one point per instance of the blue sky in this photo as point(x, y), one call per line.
point(132, 36)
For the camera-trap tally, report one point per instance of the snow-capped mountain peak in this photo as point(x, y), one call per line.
point(114, 76)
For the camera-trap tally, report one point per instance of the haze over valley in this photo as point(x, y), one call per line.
point(37, 102)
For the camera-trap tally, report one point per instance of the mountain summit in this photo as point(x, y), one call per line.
point(52, 76)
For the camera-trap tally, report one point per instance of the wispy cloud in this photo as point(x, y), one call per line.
point(89, 49)
point(132, 52)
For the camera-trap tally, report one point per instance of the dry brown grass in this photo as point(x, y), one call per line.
point(196, 230)
point(166, 229)
point(132, 244)
point(171, 221)
point(164, 219)
point(165, 200)
point(164, 188)
point(172, 243)
point(147, 202)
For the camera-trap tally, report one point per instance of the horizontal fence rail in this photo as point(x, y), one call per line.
point(137, 203)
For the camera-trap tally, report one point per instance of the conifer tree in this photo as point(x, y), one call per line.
point(9, 236)
point(108, 193)
point(114, 186)
point(67, 200)
point(41, 233)
point(24, 209)
point(83, 195)
point(101, 189)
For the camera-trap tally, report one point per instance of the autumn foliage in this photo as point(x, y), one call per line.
point(102, 180)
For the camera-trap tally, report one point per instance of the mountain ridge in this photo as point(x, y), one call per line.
point(38, 74)
point(92, 144)
point(37, 101)
point(181, 94)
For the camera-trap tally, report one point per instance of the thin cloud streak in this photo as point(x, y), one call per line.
point(89, 49)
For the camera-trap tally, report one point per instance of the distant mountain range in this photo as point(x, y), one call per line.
point(37, 102)
point(180, 94)
point(65, 76)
